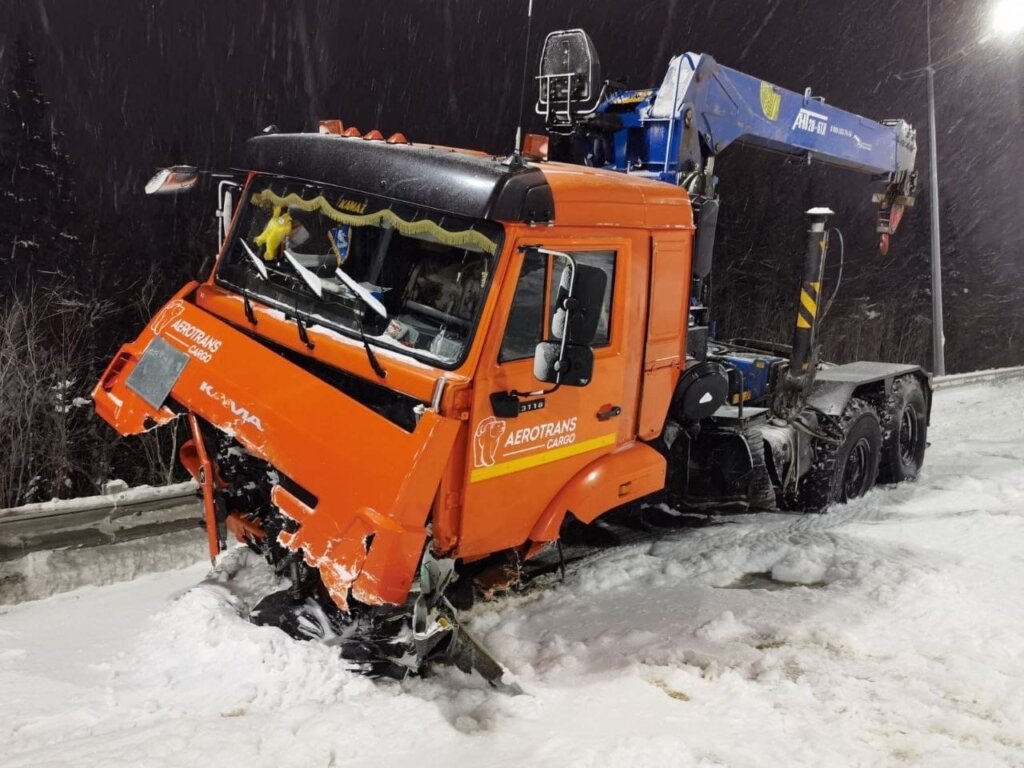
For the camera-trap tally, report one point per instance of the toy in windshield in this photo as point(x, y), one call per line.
point(278, 227)
point(413, 284)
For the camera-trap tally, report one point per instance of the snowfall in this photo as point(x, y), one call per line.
point(886, 632)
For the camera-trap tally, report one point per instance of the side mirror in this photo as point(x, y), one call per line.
point(173, 180)
point(225, 207)
point(581, 314)
point(569, 364)
point(577, 314)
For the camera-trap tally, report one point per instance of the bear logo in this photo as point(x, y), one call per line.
point(487, 440)
point(166, 316)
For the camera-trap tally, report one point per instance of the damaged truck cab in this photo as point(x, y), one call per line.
point(411, 366)
point(364, 368)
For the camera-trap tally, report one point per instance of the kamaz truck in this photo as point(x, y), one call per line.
point(411, 366)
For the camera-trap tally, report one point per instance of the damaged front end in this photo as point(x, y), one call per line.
point(334, 490)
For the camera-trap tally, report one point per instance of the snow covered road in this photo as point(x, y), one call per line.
point(889, 631)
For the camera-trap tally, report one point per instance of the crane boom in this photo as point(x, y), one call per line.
point(673, 132)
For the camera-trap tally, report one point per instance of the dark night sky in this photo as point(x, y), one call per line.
point(136, 85)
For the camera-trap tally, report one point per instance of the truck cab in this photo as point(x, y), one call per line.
point(408, 398)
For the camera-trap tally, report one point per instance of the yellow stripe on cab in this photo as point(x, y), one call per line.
point(537, 459)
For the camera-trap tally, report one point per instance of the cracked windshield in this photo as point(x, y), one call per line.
point(396, 276)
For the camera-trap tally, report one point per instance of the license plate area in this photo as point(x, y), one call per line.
point(157, 372)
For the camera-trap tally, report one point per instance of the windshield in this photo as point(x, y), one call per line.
point(401, 277)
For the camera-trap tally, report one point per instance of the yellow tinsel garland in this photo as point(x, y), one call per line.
point(467, 237)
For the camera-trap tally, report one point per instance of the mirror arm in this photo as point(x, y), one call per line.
point(568, 305)
point(565, 306)
point(535, 393)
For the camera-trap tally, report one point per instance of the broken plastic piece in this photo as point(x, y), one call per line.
point(331, 126)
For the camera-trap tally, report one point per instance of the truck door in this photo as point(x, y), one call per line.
point(517, 464)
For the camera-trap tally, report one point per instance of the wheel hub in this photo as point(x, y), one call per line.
point(908, 435)
point(856, 474)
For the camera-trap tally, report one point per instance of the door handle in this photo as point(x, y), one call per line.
point(608, 412)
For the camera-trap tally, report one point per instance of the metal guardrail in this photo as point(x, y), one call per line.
point(141, 512)
point(88, 522)
point(978, 377)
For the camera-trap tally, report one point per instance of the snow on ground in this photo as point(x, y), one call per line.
point(890, 631)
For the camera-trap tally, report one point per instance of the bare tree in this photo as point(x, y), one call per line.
point(44, 408)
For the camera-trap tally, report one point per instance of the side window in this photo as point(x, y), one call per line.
point(605, 261)
point(542, 275)
point(525, 319)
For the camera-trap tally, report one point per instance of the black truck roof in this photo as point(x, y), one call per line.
point(446, 180)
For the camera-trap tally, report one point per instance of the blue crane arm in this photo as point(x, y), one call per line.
point(703, 107)
point(674, 132)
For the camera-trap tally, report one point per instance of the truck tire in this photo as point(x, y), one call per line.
point(761, 492)
point(906, 432)
point(846, 470)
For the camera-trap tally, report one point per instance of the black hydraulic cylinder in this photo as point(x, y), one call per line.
point(807, 309)
point(799, 377)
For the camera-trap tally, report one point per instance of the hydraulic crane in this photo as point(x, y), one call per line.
point(673, 133)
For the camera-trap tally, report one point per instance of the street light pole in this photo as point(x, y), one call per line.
point(938, 338)
point(1006, 20)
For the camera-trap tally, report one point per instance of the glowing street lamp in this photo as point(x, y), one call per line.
point(1006, 20)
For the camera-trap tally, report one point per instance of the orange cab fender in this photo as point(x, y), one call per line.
point(631, 471)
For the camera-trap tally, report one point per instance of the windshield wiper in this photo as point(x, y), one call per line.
point(372, 356)
point(314, 283)
point(303, 336)
point(256, 260)
point(373, 303)
point(368, 298)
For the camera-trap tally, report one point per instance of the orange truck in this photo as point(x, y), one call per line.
point(411, 367)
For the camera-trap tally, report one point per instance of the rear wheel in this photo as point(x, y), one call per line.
point(847, 469)
point(906, 437)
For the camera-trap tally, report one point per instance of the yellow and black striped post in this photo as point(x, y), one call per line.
point(802, 356)
point(799, 377)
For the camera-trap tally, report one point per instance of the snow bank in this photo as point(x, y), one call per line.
point(887, 631)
